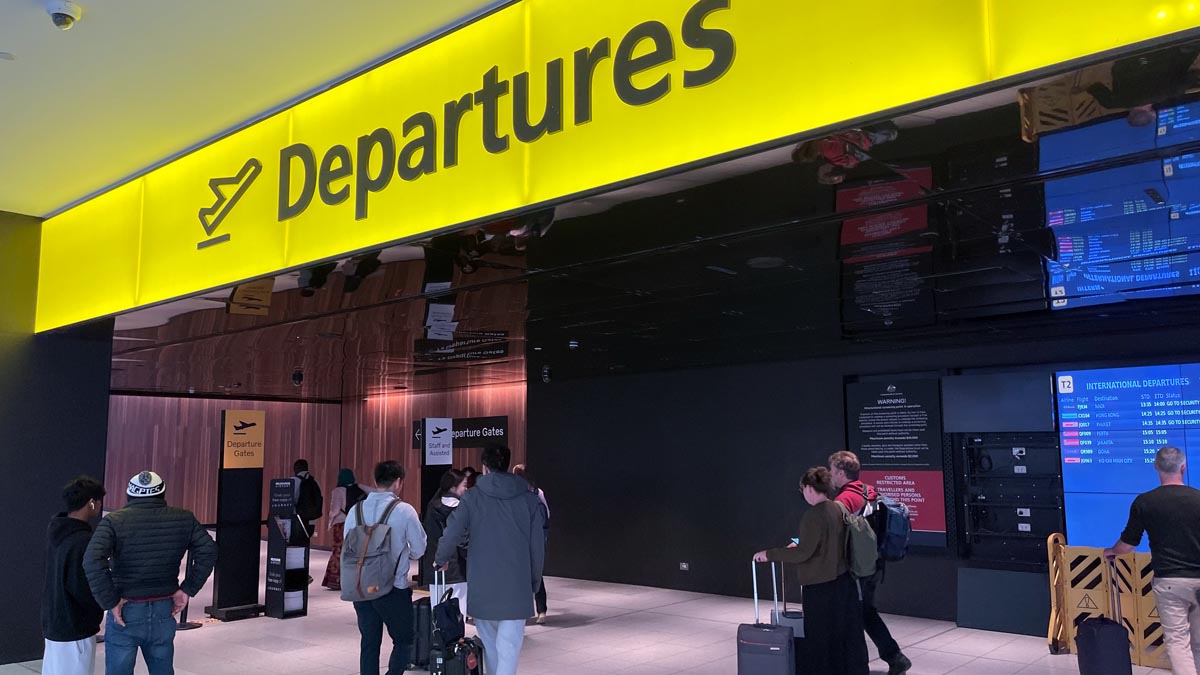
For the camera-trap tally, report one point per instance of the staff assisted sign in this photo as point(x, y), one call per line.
point(538, 101)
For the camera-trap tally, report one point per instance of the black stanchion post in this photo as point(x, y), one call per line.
point(184, 624)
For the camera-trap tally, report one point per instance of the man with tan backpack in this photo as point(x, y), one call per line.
point(383, 534)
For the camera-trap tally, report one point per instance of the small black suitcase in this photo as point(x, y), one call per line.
point(422, 631)
point(1102, 644)
point(765, 649)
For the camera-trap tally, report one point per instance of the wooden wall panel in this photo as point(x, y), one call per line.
point(380, 428)
point(179, 438)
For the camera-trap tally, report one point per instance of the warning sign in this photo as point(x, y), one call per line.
point(1154, 613)
point(1087, 603)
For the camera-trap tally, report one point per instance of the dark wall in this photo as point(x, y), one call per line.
point(53, 425)
point(701, 466)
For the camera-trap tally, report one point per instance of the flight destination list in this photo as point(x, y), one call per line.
point(1112, 422)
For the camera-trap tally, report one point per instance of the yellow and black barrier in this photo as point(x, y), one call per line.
point(1081, 587)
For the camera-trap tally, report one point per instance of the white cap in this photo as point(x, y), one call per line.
point(146, 484)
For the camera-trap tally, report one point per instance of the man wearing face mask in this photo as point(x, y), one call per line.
point(70, 614)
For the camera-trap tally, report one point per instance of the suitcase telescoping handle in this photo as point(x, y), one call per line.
point(774, 589)
point(435, 595)
point(1114, 592)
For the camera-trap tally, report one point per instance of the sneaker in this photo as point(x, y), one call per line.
point(899, 665)
point(541, 618)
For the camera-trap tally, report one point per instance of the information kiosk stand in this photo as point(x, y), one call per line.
point(287, 565)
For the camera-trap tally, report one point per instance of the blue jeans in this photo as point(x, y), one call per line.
point(149, 626)
point(395, 611)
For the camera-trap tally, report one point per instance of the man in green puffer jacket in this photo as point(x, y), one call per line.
point(132, 566)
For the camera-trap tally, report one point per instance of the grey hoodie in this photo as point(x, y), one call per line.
point(505, 522)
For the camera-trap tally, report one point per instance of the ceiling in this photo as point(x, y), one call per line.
point(136, 82)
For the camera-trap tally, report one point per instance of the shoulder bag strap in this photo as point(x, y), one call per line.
point(866, 499)
point(387, 513)
point(362, 556)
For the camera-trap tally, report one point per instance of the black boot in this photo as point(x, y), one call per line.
point(899, 665)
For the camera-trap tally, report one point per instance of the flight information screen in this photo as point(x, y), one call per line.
point(1111, 424)
point(1178, 124)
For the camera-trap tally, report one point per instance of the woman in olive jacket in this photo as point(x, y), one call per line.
point(833, 643)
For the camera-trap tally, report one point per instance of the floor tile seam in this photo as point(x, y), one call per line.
point(693, 618)
point(917, 645)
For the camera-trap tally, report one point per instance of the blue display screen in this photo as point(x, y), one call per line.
point(1097, 520)
point(1155, 273)
point(1130, 232)
point(1083, 145)
point(1111, 193)
point(1178, 124)
point(1111, 424)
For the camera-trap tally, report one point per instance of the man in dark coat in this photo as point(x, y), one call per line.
point(70, 615)
point(505, 523)
point(132, 566)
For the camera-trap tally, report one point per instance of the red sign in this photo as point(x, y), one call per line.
point(922, 491)
point(884, 192)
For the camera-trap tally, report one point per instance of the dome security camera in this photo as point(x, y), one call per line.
point(63, 13)
point(297, 377)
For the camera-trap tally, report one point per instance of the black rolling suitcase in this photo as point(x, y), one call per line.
point(1102, 644)
point(765, 649)
point(422, 631)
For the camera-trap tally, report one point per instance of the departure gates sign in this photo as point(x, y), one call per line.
point(538, 101)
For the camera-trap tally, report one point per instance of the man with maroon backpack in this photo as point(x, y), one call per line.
point(855, 496)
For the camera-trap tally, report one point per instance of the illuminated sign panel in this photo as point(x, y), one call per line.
point(538, 101)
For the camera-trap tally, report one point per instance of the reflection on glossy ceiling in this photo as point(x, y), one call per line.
point(1069, 206)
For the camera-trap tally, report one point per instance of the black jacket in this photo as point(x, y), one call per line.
point(136, 553)
point(436, 516)
point(69, 612)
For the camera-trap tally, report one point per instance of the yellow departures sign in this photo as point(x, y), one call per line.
point(540, 100)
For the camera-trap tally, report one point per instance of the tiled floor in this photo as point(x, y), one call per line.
point(594, 629)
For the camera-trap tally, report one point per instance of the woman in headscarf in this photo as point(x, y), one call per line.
point(347, 493)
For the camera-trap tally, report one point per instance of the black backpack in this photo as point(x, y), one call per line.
point(892, 522)
point(310, 505)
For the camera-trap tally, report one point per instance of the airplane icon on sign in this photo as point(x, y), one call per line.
point(438, 430)
point(244, 425)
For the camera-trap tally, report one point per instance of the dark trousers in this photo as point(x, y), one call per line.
point(540, 598)
point(833, 641)
point(394, 611)
point(873, 623)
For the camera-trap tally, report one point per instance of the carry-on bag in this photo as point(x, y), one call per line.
point(451, 653)
point(449, 626)
point(792, 618)
point(765, 649)
point(464, 657)
point(1102, 644)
